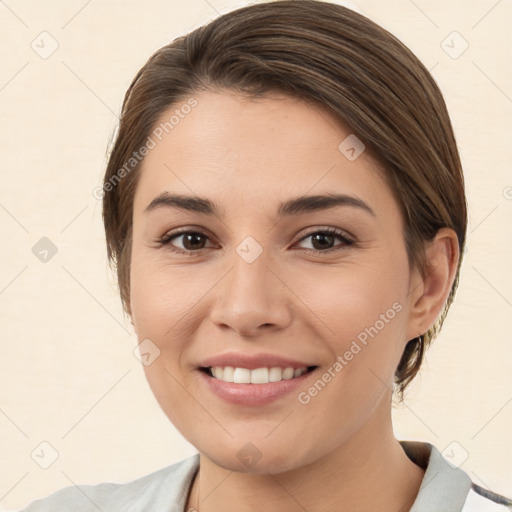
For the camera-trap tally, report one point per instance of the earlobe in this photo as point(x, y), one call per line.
point(442, 255)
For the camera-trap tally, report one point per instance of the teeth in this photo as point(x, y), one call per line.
point(241, 375)
point(256, 376)
point(228, 374)
point(259, 376)
point(288, 373)
point(275, 374)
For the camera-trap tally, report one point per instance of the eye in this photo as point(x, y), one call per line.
point(193, 241)
point(324, 237)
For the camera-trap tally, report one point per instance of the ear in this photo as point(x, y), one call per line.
point(428, 294)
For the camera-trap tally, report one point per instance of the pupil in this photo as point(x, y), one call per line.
point(192, 237)
point(321, 236)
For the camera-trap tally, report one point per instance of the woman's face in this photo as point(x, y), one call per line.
point(258, 283)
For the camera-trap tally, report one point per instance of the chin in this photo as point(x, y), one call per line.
point(261, 467)
point(255, 458)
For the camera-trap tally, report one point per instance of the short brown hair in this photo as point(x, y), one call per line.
point(322, 53)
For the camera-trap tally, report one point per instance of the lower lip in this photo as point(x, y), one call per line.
point(253, 394)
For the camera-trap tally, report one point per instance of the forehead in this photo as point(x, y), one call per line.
point(254, 151)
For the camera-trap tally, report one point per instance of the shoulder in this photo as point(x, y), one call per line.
point(150, 492)
point(446, 486)
point(480, 499)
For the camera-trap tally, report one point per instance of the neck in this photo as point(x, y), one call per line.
point(368, 472)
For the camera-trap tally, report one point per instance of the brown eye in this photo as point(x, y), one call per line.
point(192, 241)
point(322, 240)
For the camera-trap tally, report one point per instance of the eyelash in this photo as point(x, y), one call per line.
point(347, 242)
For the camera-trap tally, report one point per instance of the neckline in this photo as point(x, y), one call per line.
point(444, 486)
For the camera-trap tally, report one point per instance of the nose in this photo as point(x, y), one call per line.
point(252, 299)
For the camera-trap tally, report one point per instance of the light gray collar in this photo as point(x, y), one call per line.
point(444, 487)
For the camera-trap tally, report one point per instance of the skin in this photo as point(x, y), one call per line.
point(249, 156)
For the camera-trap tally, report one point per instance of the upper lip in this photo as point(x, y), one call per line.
point(252, 361)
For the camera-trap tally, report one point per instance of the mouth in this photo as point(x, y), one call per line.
point(263, 375)
point(255, 387)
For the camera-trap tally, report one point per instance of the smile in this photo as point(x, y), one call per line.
point(255, 376)
point(254, 387)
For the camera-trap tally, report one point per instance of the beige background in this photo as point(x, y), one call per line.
point(68, 373)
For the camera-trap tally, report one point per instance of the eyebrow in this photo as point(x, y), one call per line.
point(294, 206)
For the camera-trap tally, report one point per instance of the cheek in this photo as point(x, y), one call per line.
point(356, 300)
point(162, 297)
point(162, 306)
point(364, 308)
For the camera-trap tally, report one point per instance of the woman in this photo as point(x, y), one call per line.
point(284, 206)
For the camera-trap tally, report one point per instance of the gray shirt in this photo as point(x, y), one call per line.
point(445, 488)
